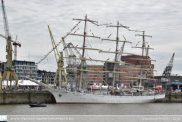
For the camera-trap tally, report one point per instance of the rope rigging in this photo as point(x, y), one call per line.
point(59, 43)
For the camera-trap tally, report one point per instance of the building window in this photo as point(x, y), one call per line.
point(16, 63)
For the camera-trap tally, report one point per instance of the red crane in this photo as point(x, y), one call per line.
point(15, 45)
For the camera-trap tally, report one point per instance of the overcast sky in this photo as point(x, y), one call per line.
point(160, 19)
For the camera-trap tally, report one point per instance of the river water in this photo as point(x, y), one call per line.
point(100, 111)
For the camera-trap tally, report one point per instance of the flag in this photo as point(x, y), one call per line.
point(128, 84)
point(100, 84)
point(153, 85)
point(97, 83)
point(22, 80)
point(3, 82)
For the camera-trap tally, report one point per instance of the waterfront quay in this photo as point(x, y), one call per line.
point(171, 98)
point(25, 97)
point(44, 96)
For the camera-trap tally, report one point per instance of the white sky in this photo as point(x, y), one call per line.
point(29, 19)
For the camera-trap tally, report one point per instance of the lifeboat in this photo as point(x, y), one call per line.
point(126, 89)
point(158, 88)
point(94, 88)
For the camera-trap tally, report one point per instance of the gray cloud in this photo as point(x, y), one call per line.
point(29, 19)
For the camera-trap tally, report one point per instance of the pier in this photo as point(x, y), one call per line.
point(25, 97)
point(31, 96)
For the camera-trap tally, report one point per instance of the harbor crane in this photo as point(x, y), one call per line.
point(15, 44)
point(9, 73)
point(168, 69)
point(72, 55)
point(59, 60)
point(167, 73)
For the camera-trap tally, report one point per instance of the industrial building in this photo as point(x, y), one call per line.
point(22, 68)
point(131, 70)
point(174, 81)
point(47, 77)
point(29, 69)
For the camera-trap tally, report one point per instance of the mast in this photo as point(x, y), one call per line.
point(143, 46)
point(142, 56)
point(84, 36)
point(117, 38)
point(114, 75)
point(83, 52)
point(116, 57)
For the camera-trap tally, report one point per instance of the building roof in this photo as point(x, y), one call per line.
point(176, 83)
point(24, 83)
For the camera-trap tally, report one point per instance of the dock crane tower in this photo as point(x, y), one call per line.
point(168, 69)
point(71, 52)
point(167, 73)
point(9, 72)
point(59, 60)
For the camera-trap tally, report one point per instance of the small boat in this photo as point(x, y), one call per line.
point(38, 105)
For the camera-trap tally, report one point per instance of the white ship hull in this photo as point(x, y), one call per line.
point(86, 98)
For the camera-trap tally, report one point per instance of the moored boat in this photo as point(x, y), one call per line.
point(38, 105)
point(110, 92)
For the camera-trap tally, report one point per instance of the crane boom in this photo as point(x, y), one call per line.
point(59, 61)
point(56, 53)
point(77, 52)
point(168, 69)
point(65, 50)
point(6, 27)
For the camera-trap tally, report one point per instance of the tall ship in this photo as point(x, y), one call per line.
point(75, 86)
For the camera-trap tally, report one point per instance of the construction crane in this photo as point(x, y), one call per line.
point(15, 44)
point(15, 48)
point(59, 60)
point(9, 72)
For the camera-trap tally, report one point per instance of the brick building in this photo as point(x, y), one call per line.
point(131, 70)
